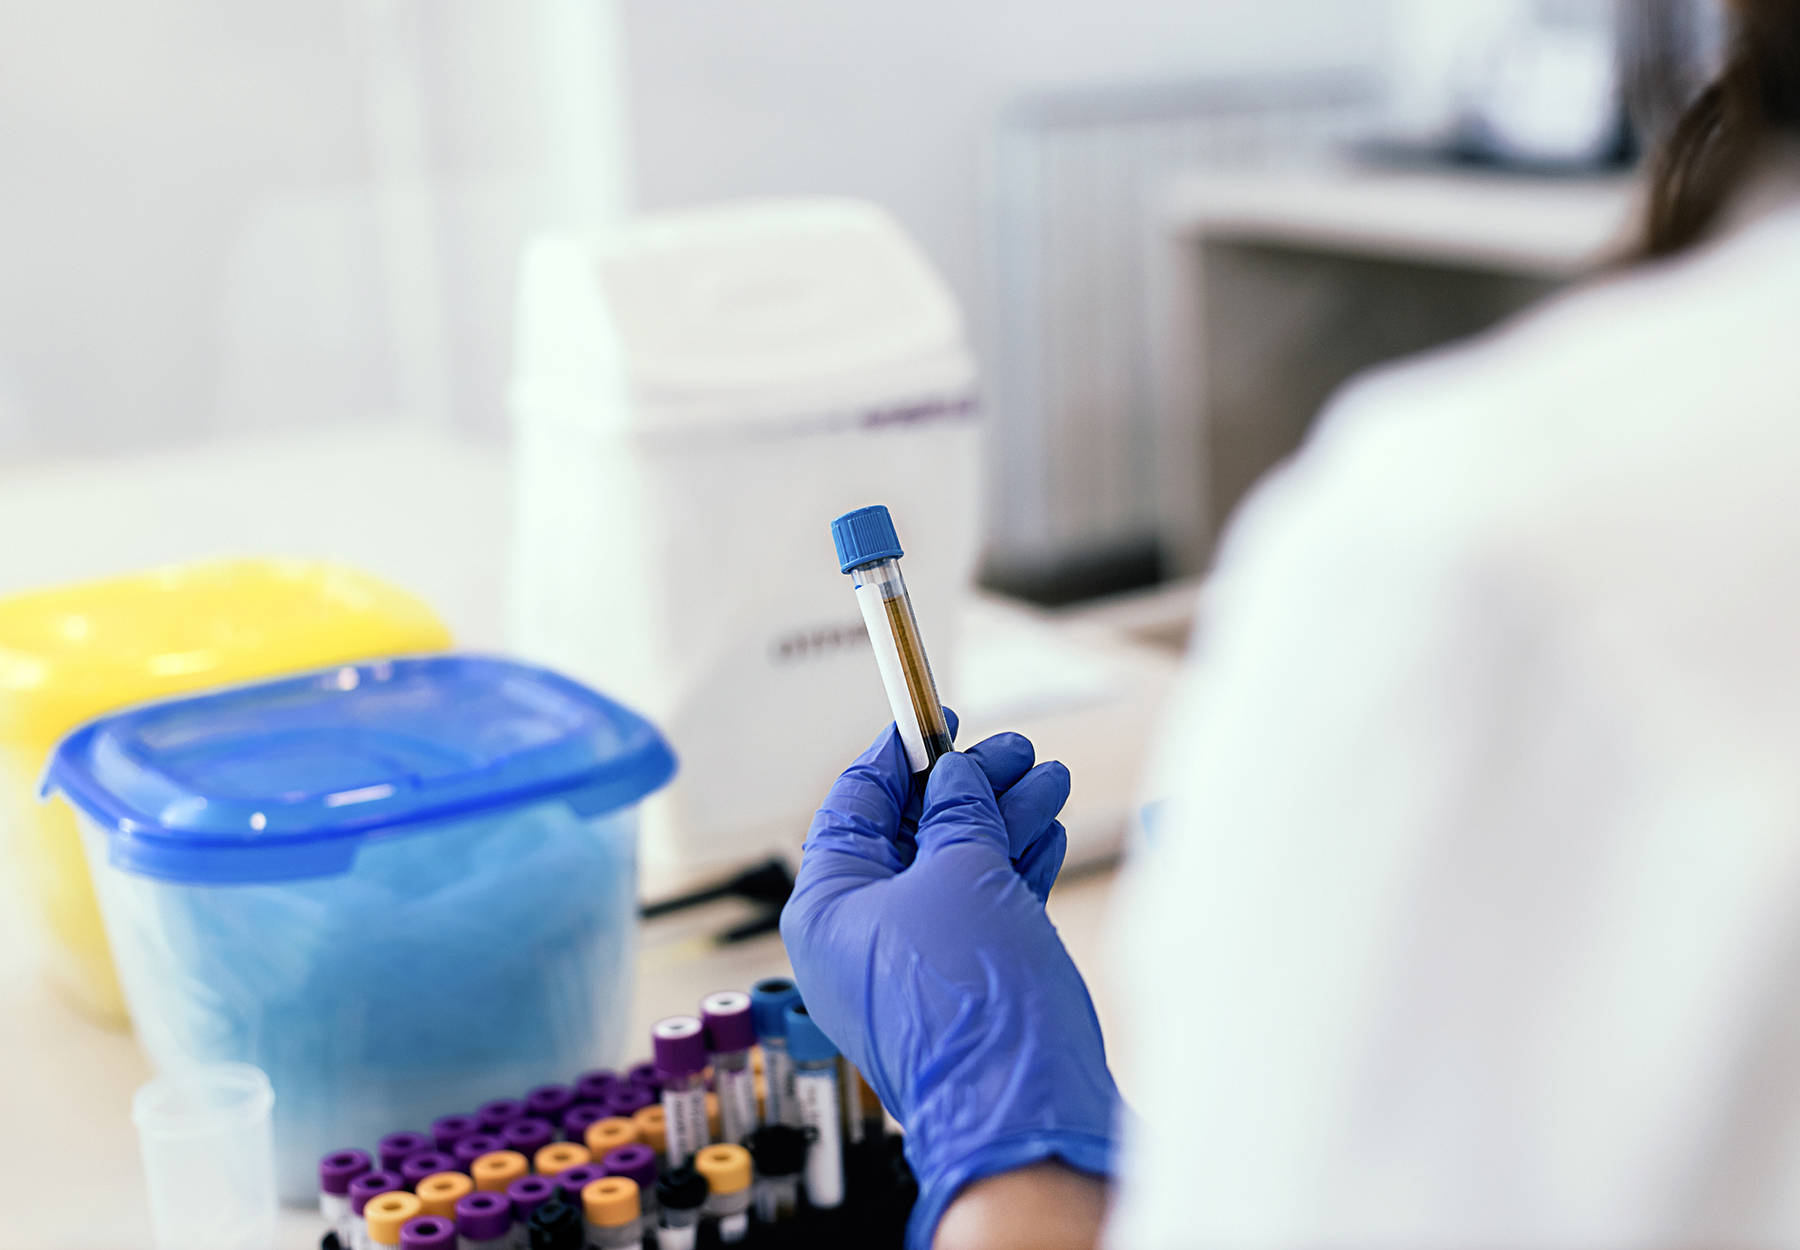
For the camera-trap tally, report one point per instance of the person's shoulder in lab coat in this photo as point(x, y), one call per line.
point(1473, 915)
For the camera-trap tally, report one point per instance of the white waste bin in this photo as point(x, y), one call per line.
point(697, 394)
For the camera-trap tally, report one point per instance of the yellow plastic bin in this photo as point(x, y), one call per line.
point(73, 653)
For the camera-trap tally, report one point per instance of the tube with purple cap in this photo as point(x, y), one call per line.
point(576, 1120)
point(527, 1194)
point(494, 1115)
point(646, 1076)
point(548, 1102)
point(450, 1129)
point(627, 1100)
point(428, 1232)
point(427, 1163)
point(369, 1185)
point(472, 1148)
point(592, 1086)
point(336, 1171)
point(527, 1136)
point(638, 1162)
point(397, 1148)
point(571, 1180)
point(484, 1221)
point(680, 1046)
point(730, 1033)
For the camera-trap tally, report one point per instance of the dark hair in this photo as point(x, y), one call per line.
point(1710, 151)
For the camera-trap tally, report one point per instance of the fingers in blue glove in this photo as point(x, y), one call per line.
point(1031, 805)
point(1044, 860)
point(1005, 758)
point(960, 809)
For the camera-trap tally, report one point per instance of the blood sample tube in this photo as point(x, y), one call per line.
point(385, 1215)
point(336, 1171)
point(730, 1034)
point(428, 1232)
point(652, 1127)
point(680, 1060)
point(495, 1115)
point(494, 1171)
point(637, 1162)
point(610, 1134)
point(627, 1099)
point(477, 1145)
point(397, 1148)
point(816, 1088)
point(869, 551)
point(427, 1163)
point(548, 1102)
point(726, 1168)
point(450, 1129)
point(554, 1158)
point(527, 1136)
point(368, 1185)
point(779, 1151)
point(614, 1214)
point(680, 1198)
point(592, 1086)
point(527, 1194)
point(576, 1120)
point(769, 1000)
point(555, 1226)
point(438, 1193)
point(484, 1221)
point(571, 1181)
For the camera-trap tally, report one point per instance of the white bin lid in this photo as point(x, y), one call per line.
point(731, 313)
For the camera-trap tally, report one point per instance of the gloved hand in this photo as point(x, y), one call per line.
point(920, 944)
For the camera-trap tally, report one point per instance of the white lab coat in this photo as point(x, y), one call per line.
point(1473, 916)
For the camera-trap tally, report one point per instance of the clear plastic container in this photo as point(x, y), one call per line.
point(395, 887)
point(75, 652)
point(208, 1157)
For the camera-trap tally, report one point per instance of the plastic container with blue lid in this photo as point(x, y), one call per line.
point(395, 887)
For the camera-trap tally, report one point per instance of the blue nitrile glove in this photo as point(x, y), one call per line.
point(920, 944)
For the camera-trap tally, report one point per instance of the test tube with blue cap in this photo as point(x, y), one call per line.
point(868, 549)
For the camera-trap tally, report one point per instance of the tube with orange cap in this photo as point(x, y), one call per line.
point(611, 1206)
point(726, 1168)
point(387, 1213)
point(609, 1134)
point(494, 1171)
point(560, 1155)
point(438, 1193)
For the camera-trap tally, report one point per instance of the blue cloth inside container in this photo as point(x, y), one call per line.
point(465, 951)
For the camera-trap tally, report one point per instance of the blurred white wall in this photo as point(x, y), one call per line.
point(897, 101)
point(226, 218)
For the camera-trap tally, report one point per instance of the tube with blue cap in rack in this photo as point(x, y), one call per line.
point(816, 1090)
point(868, 549)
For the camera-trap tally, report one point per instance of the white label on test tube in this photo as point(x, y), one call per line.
point(736, 1088)
point(684, 1119)
point(778, 1082)
point(893, 675)
point(816, 1090)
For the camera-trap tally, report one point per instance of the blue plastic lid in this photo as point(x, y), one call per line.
point(807, 1042)
point(769, 1000)
point(865, 536)
point(286, 779)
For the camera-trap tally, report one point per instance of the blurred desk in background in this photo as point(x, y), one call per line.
point(1274, 288)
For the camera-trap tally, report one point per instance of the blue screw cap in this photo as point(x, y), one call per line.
point(865, 536)
point(769, 1000)
point(807, 1042)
